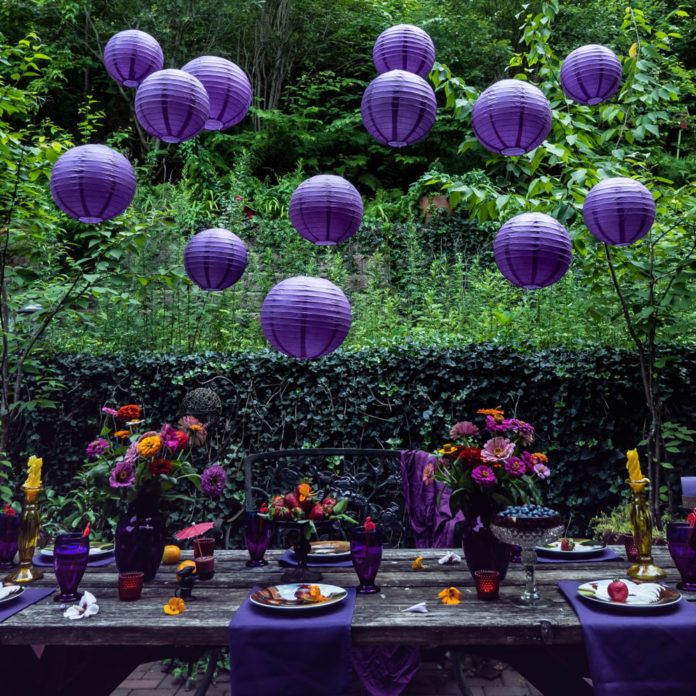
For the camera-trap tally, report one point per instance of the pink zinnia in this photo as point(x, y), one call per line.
point(169, 437)
point(109, 411)
point(122, 475)
point(98, 446)
point(541, 470)
point(515, 466)
point(463, 429)
point(497, 449)
point(483, 475)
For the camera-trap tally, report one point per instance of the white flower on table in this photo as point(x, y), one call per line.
point(87, 607)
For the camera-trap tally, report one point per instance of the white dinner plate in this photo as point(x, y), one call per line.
point(285, 597)
point(644, 596)
point(582, 548)
point(95, 551)
point(328, 550)
point(7, 594)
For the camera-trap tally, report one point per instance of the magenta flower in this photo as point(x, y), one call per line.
point(213, 480)
point(515, 467)
point(483, 475)
point(463, 429)
point(122, 475)
point(96, 447)
point(541, 470)
point(497, 449)
point(524, 430)
point(493, 427)
point(169, 437)
point(109, 411)
point(194, 429)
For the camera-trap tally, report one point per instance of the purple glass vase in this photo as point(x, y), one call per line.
point(9, 531)
point(366, 554)
point(482, 549)
point(681, 540)
point(140, 535)
point(70, 555)
point(257, 535)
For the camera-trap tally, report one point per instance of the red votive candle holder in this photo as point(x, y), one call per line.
point(130, 585)
point(487, 584)
point(630, 547)
point(203, 546)
point(205, 567)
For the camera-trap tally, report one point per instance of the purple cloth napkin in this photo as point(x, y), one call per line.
point(637, 654)
point(290, 559)
point(276, 652)
point(429, 514)
point(386, 670)
point(29, 596)
point(45, 561)
point(605, 555)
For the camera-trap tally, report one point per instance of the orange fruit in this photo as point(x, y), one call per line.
point(171, 555)
point(185, 564)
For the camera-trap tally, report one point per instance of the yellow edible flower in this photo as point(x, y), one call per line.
point(176, 606)
point(418, 563)
point(304, 490)
point(447, 449)
point(315, 594)
point(450, 595)
point(150, 446)
point(34, 476)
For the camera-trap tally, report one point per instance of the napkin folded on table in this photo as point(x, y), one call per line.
point(29, 596)
point(641, 654)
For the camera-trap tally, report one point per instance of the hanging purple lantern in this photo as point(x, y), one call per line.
point(305, 317)
point(172, 105)
point(511, 117)
point(591, 74)
point(131, 55)
point(404, 47)
point(619, 211)
point(532, 250)
point(326, 209)
point(92, 183)
point(228, 88)
point(398, 108)
point(215, 259)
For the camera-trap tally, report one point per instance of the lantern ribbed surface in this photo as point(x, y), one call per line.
point(214, 259)
point(131, 55)
point(228, 88)
point(591, 74)
point(511, 117)
point(305, 317)
point(404, 47)
point(172, 105)
point(398, 108)
point(92, 183)
point(619, 211)
point(532, 250)
point(326, 209)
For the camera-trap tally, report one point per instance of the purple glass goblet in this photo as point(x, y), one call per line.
point(9, 532)
point(257, 535)
point(681, 541)
point(70, 555)
point(366, 554)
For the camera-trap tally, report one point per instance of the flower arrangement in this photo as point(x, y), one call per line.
point(499, 468)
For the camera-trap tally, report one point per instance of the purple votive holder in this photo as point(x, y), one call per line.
point(688, 486)
point(9, 533)
point(366, 554)
point(130, 585)
point(487, 584)
point(681, 541)
point(203, 546)
point(257, 536)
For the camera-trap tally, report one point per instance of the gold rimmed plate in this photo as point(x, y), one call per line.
point(95, 550)
point(581, 548)
point(298, 596)
point(644, 596)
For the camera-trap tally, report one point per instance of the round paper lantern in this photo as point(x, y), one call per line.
point(214, 259)
point(619, 211)
point(591, 74)
point(92, 183)
point(398, 108)
point(131, 55)
point(305, 317)
point(228, 88)
point(326, 209)
point(532, 250)
point(404, 47)
point(172, 105)
point(511, 117)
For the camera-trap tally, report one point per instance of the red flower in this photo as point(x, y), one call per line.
point(471, 456)
point(160, 466)
point(183, 440)
point(8, 510)
point(129, 412)
point(370, 526)
point(263, 509)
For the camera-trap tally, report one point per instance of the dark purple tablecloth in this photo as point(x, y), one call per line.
point(605, 555)
point(45, 561)
point(289, 559)
point(646, 654)
point(29, 596)
point(276, 652)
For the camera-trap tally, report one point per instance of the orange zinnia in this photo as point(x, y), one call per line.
point(150, 446)
point(122, 433)
point(450, 595)
point(497, 413)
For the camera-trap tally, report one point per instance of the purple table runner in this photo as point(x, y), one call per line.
point(29, 596)
point(276, 652)
point(290, 559)
point(45, 562)
point(638, 654)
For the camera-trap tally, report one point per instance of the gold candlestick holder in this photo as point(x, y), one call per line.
point(641, 523)
point(29, 525)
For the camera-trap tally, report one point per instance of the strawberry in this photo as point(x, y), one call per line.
point(618, 590)
point(331, 502)
point(567, 544)
point(317, 512)
point(298, 513)
point(291, 501)
point(328, 510)
point(281, 513)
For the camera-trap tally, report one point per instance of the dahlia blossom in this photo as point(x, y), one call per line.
point(463, 429)
point(98, 446)
point(213, 480)
point(483, 475)
point(122, 475)
point(497, 449)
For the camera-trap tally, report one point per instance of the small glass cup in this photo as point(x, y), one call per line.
point(630, 547)
point(205, 567)
point(9, 534)
point(70, 556)
point(203, 546)
point(130, 585)
point(681, 541)
point(257, 536)
point(487, 584)
point(366, 554)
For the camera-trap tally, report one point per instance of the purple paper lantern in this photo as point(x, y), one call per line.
point(591, 74)
point(214, 259)
point(404, 47)
point(172, 105)
point(228, 88)
point(398, 108)
point(305, 317)
point(532, 250)
point(131, 55)
point(511, 117)
point(326, 209)
point(92, 183)
point(619, 211)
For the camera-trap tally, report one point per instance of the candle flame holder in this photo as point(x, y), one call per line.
point(29, 525)
point(641, 524)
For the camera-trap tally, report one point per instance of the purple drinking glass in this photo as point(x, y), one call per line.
point(366, 554)
point(70, 555)
point(681, 541)
point(9, 532)
point(257, 535)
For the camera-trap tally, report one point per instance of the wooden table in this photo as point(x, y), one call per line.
point(134, 632)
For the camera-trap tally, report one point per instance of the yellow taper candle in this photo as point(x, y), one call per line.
point(633, 466)
point(34, 477)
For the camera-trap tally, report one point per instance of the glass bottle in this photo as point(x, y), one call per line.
point(29, 525)
point(641, 524)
